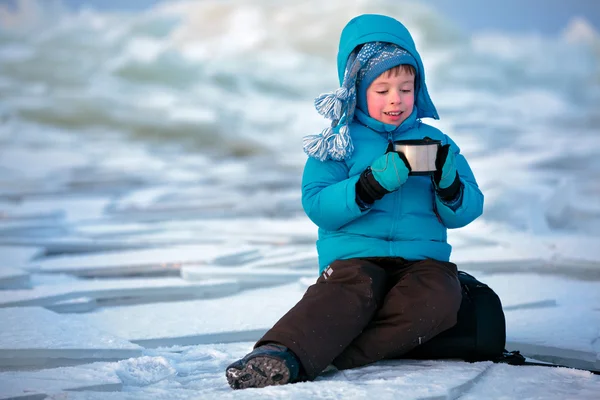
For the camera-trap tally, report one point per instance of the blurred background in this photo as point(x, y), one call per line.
point(123, 95)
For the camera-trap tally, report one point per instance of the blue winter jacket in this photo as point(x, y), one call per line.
point(410, 222)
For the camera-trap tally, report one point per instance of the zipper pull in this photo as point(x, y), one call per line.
point(390, 148)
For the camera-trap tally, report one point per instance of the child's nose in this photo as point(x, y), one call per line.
point(395, 97)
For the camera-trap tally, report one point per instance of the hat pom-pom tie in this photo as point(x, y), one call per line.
point(340, 147)
point(330, 105)
point(316, 146)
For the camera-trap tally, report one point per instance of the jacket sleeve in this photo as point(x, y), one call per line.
point(329, 194)
point(471, 204)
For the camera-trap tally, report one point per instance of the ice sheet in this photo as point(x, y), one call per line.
point(18, 256)
point(12, 278)
point(152, 134)
point(35, 336)
point(157, 289)
point(154, 260)
point(27, 384)
point(197, 372)
point(250, 311)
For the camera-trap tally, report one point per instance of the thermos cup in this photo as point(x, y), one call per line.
point(420, 153)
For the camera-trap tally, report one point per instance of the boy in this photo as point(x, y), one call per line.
point(386, 284)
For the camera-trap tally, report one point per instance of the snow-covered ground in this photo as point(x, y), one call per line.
point(150, 219)
point(119, 306)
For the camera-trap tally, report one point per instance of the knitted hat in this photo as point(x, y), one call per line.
point(362, 68)
point(390, 57)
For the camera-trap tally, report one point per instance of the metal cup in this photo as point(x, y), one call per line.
point(420, 153)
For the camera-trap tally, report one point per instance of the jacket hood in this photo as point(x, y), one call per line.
point(380, 28)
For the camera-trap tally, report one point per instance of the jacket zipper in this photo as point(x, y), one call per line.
point(395, 205)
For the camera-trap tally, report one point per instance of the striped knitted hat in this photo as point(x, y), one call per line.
point(362, 68)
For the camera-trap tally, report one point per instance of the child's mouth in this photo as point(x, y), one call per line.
point(393, 113)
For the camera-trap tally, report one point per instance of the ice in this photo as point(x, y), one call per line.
point(143, 371)
point(41, 164)
point(196, 372)
point(18, 256)
point(518, 288)
point(71, 208)
point(13, 278)
point(150, 204)
point(578, 323)
point(576, 256)
point(292, 262)
point(100, 376)
point(78, 305)
point(115, 291)
point(156, 260)
point(243, 316)
point(508, 382)
point(67, 244)
point(12, 258)
point(250, 229)
point(261, 277)
point(32, 336)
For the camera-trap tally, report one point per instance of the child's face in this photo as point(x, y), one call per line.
point(391, 97)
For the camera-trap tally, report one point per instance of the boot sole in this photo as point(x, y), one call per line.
point(258, 372)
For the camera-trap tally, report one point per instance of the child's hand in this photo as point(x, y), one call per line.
point(390, 170)
point(445, 173)
point(386, 174)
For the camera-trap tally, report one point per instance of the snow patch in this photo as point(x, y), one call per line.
point(144, 371)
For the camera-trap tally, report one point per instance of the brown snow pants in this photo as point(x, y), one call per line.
point(367, 309)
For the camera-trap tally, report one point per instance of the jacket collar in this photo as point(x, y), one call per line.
point(382, 127)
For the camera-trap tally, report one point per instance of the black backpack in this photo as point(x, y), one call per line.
point(480, 332)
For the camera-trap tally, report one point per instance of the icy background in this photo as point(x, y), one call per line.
point(150, 218)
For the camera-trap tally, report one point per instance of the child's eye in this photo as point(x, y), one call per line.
point(406, 90)
point(382, 92)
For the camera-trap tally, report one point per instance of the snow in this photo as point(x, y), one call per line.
point(185, 345)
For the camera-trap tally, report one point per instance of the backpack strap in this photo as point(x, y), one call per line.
point(516, 358)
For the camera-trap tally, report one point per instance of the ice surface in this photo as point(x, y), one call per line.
point(509, 382)
point(98, 376)
point(71, 244)
point(12, 278)
point(35, 336)
point(517, 288)
point(78, 305)
point(70, 208)
point(156, 260)
point(250, 312)
point(196, 372)
point(276, 265)
point(146, 370)
point(18, 256)
point(580, 324)
point(107, 289)
point(155, 149)
point(247, 275)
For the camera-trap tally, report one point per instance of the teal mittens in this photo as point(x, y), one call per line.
point(390, 171)
point(387, 173)
point(445, 178)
